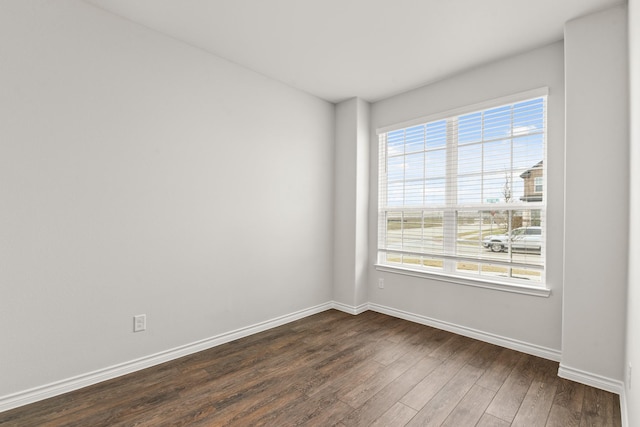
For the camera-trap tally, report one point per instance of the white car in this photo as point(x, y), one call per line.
point(522, 239)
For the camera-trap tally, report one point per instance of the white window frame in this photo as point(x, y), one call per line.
point(446, 273)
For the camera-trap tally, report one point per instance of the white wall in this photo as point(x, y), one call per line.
point(633, 307)
point(140, 175)
point(533, 320)
point(350, 251)
point(597, 208)
point(362, 202)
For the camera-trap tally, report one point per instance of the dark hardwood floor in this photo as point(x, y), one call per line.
point(336, 369)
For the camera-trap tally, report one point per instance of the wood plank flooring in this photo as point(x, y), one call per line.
point(336, 369)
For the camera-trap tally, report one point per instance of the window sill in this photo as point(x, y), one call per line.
point(538, 291)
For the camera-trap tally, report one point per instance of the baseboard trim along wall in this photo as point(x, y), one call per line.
point(349, 308)
point(593, 380)
point(64, 386)
point(598, 381)
point(624, 415)
point(524, 347)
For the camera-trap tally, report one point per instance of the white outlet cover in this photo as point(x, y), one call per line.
point(139, 323)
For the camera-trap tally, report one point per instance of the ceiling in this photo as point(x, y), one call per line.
point(373, 49)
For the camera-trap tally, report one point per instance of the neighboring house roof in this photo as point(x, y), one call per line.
point(526, 173)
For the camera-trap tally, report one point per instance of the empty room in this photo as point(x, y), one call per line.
point(292, 212)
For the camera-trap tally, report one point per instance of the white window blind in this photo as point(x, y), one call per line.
point(462, 195)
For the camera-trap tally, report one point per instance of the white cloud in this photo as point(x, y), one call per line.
point(523, 130)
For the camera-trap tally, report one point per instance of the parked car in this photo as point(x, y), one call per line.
point(522, 239)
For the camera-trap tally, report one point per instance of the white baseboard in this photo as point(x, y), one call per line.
point(593, 380)
point(598, 381)
point(624, 414)
point(350, 308)
point(70, 384)
point(64, 386)
point(524, 347)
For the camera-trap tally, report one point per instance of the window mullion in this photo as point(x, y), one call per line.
point(451, 185)
point(383, 189)
point(482, 162)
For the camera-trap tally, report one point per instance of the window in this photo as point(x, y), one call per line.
point(452, 193)
point(538, 184)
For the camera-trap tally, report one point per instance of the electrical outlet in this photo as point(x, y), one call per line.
point(629, 376)
point(381, 283)
point(139, 323)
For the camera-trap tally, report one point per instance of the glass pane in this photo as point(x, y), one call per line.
point(517, 189)
point(435, 192)
point(395, 142)
point(470, 159)
point(411, 260)
point(470, 128)
point(413, 193)
point(414, 139)
point(497, 122)
point(433, 263)
point(495, 228)
point(468, 239)
point(436, 164)
point(527, 237)
point(395, 193)
point(530, 187)
point(494, 270)
point(437, 134)
point(528, 116)
point(493, 222)
point(394, 230)
point(469, 189)
point(497, 188)
point(414, 166)
point(497, 155)
point(395, 168)
point(527, 151)
point(527, 157)
point(412, 231)
point(433, 232)
point(391, 257)
point(467, 267)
